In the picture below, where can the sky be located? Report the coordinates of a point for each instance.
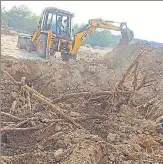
(144, 18)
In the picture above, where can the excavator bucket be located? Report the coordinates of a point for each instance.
(127, 37)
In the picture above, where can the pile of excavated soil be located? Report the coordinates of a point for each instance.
(125, 135)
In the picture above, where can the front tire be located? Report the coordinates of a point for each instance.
(41, 45)
(29, 46)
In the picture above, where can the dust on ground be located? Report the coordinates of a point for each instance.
(118, 112)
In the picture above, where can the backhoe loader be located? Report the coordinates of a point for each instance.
(54, 33)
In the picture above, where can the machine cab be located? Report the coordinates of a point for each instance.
(57, 20)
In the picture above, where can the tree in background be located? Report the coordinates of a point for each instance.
(4, 15)
(100, 38)
(20, 18)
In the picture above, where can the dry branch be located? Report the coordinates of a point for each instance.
(47, 84)
(147, 104)
(11, 116)
(76, 95)
(80, 119)
(91, 118)
(47, 101)
(142, 83)
(57, 109)
(55, 136)
(31, 90)
(22, 129)
(130, 67)
(6, 123)
(159, 119)
(13, 106)
(11, 78)
(145, 83)
(21, 123)
(53, 120)
(29, 102)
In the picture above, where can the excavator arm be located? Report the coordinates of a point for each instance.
(80, 37)
(86, 31)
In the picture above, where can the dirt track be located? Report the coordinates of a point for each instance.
(118, 127)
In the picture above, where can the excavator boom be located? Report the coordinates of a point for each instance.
(99, 23)
(93, 24)
(126, 33)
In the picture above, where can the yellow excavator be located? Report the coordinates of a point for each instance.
(54, 33)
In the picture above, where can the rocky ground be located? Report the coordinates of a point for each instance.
(102, 109)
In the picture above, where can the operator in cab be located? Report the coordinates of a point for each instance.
(66, 28)
(59, 26)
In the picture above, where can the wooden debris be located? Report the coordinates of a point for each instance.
(21, 129)
(11, 116)
(13, 107)
(47, 101)
(81, 94)
(142, 52)
(58, 110)
(10, 77)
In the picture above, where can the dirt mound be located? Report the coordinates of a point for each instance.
(150, 66)
(29, 69)
(102, 110)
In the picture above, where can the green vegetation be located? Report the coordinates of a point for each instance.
(101, 39)
(20, 18)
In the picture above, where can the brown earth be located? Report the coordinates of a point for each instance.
(118, 127)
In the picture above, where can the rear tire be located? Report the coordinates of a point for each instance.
(21, 44)
(41, 45)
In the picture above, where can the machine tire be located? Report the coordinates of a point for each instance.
(41, 45)
(21, 44)
(29, 46)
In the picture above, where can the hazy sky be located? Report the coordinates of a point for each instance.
(144, 18)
